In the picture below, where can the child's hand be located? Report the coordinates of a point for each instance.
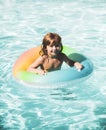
(42, 72)
(78, 66)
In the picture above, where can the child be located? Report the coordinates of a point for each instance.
(51, 56)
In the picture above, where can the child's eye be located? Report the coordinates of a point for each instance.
(57, 45)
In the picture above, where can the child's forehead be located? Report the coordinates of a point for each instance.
(54, 43)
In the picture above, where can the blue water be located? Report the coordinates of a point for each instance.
(79, 106)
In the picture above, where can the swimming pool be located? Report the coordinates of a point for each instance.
(79, 106)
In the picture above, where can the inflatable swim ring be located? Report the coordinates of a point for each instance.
(66, 74)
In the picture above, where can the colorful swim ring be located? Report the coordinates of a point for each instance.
(66, 74)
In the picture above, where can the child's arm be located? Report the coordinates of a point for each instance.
(34, 66)
(72, 63)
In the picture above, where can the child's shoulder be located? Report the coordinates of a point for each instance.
(62, 54)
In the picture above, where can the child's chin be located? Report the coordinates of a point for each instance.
(54, 54)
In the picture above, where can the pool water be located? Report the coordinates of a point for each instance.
(78, 106)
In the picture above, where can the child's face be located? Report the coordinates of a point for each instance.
(53, 49)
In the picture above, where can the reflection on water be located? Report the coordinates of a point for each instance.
(78, 106)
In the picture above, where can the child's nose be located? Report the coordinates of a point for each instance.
(54, 47)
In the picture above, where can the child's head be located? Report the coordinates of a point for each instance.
(52, 39)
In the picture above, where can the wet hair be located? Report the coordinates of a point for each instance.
(50, 39)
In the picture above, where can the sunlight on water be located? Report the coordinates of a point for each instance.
(78, 106)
